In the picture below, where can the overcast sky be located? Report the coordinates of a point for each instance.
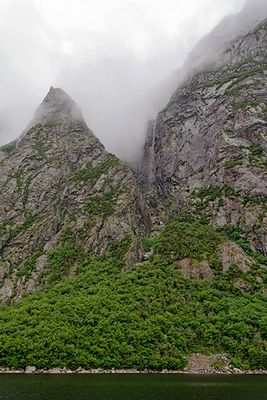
(109, 55)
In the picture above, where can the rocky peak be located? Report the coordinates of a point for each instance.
(57, 107)
(62, 194)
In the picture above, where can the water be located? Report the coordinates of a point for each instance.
(132, 387)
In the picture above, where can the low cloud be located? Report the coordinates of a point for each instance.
(118, 59)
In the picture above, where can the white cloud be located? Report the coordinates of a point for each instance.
(108, 54)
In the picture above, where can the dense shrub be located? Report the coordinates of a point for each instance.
(151, 317)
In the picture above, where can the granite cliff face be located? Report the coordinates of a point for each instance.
(62, 193)
(192, 221)
(207, 151)
(65, 200)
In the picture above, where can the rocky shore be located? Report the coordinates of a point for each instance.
(34, 370)
(197, 364)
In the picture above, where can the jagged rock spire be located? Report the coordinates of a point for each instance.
(57, 106)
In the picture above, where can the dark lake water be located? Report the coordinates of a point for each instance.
(132, 387)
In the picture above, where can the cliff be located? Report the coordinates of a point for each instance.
(189, 227)
(62, 196)
(207, 150)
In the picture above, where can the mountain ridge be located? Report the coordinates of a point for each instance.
(58, 182)
(141, 269)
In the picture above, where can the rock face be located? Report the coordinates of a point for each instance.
(62, 195)
(230, 254)
(233, 255)
(193, 269)
(207, 150)
(64, 199)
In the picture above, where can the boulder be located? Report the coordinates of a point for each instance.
(194, 269)
(232, 255)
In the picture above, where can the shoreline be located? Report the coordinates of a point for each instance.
(65, 371)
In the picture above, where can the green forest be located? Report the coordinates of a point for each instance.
(149, 318)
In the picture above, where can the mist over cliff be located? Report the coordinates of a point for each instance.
(117, 59)
(147, 267)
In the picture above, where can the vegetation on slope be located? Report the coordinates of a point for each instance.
(151, 317)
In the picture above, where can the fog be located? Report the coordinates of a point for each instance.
(118, 59)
